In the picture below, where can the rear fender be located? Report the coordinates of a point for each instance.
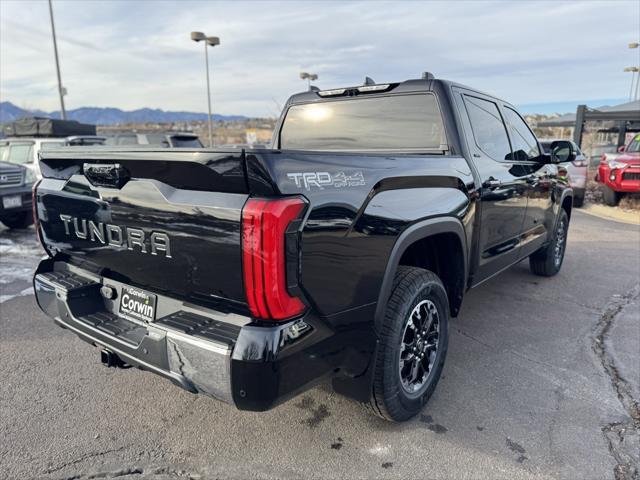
(412, 234)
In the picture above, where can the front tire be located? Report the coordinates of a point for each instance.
(18, 220)
(413, 345)
(548, 261)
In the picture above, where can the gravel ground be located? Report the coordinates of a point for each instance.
(541, 382)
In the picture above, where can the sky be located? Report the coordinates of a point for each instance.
(135, 54)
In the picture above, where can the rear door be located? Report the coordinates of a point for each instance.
(541, 179)
(503, 192)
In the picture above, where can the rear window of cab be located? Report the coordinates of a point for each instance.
(393, 122)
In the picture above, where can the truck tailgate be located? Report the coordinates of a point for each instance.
(164, 221)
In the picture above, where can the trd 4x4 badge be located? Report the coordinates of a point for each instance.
(326, 179)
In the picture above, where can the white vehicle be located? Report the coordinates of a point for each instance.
(24, 151)
(577, 172)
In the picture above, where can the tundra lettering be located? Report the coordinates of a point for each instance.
(339, 253)
(115, 236)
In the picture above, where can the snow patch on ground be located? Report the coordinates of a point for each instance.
(20, 254)
(23, 293)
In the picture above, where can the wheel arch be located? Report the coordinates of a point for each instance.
(566, 202)
(428, 232)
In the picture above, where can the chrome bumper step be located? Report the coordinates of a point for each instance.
(203, 327)
(66, 281)
(189, 349)
(116, 326)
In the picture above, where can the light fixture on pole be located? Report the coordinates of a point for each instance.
(212, 42)
(61, 90)
(308, 77)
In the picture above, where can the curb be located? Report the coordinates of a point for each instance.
(607, 217)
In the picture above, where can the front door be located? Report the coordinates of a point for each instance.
(503, 192)
(541, 179)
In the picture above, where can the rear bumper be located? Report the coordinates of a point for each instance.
(221, 355)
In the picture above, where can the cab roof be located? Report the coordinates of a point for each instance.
(407, 86)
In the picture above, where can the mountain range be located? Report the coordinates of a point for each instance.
(111, 116)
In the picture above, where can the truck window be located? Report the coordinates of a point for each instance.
(126, 140)
(51, 145)
(634, 145)
(525, 146)
(20, 153)
(395, 122)
(180, 141)
(157, 139)
(488, 129)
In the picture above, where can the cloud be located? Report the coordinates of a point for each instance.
(138, 53)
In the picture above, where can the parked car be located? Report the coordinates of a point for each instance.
(24, 150)
(576, 171)
(620, 174)
(16, 182)
(339, 253)
(173, 140)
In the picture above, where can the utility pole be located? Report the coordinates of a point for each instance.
(61, 90)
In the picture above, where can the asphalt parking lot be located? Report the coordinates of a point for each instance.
(541, 381)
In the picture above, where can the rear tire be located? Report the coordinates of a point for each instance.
(547, 261)
(578, 200)
(611, 197)
(413, 345)
(18, 220)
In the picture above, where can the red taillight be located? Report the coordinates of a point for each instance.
(264, 257)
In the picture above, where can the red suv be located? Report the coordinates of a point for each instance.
(621, 174)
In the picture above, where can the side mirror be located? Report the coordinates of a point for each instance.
(562, 151)
(621, 149)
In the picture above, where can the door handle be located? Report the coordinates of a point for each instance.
(492, 183)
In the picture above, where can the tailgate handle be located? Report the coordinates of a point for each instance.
(106, 174)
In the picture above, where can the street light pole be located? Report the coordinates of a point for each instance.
(208, 41)
(61, 89)
(206, 61)
(634, 70)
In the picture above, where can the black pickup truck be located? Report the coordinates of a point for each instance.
(340, 253)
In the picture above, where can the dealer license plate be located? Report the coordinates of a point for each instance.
(138, 304)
